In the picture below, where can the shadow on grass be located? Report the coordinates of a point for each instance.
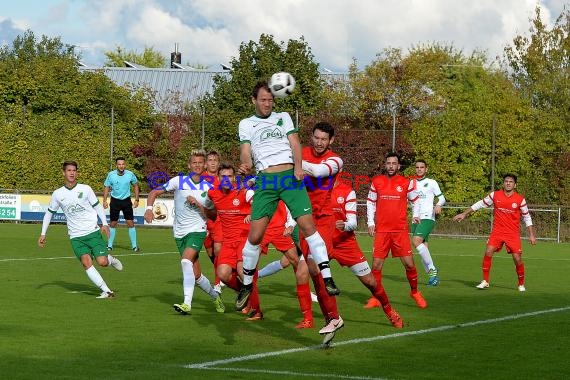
(71, 287)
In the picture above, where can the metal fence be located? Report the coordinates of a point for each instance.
(547, 221)
(550, 222)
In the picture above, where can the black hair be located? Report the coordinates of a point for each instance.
(325, 127)
(510, 175)
(393, 154)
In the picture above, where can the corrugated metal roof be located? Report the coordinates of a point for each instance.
(165, 83)
(188, 85)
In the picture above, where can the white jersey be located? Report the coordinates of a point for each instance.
(188, 218)
(268, 138)
(77, 204)
(427, 189)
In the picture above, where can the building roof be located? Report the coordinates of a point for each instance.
(188, 85)
(184, 83)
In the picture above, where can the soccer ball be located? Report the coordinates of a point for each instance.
(281, 84)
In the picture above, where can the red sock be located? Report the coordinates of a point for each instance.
(380, 294)
(326, 302)
(377, 275)
(305, 303)
(520, 273)
(486, 267)
(234, 283)
(412, 275)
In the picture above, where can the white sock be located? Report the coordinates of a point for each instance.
(271, 268)
(427, 262)
(318, 250)
(96, 278)
(188, 280)
(250, 255)
(204, 284)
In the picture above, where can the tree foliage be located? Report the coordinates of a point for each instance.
(539, 65)
(51, 112)
(230, 100)
(148, 58)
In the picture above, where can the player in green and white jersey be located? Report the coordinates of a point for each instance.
(427, 190)
(81, 208)
(191, 207)
(270, 142)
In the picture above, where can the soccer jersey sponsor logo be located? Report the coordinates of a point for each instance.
(271, 134)
(76, 208)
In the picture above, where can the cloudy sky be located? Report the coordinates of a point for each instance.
(209, 32)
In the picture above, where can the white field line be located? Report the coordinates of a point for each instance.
(206, 365)
(290, 373)
(71, 256)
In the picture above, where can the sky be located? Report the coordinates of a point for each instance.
(209, 32)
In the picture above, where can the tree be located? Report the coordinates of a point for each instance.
(148, 58)
(50, 112)
(539, 65)
(230, 100)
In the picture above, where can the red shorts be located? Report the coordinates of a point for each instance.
(325, 227)
(512, 243)
(396, 242)
(231, 252)
(276, 238)
(347, 252)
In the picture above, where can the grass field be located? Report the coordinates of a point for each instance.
(52, 326)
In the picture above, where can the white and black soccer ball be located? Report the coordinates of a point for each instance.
(281, 84)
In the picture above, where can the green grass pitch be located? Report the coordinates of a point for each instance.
(51, 325)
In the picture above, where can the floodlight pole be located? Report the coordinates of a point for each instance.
(493, 152)
(112, 138)
(393, 129)
(203, 124)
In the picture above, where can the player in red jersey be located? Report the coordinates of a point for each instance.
(347, 251)
(213, 241)
(233, 208)
(508, 209)
(321, 166)
(386, 208)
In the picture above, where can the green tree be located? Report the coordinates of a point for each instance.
(230, 100)
(149, 57)
(539, 65)
(50, 112)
